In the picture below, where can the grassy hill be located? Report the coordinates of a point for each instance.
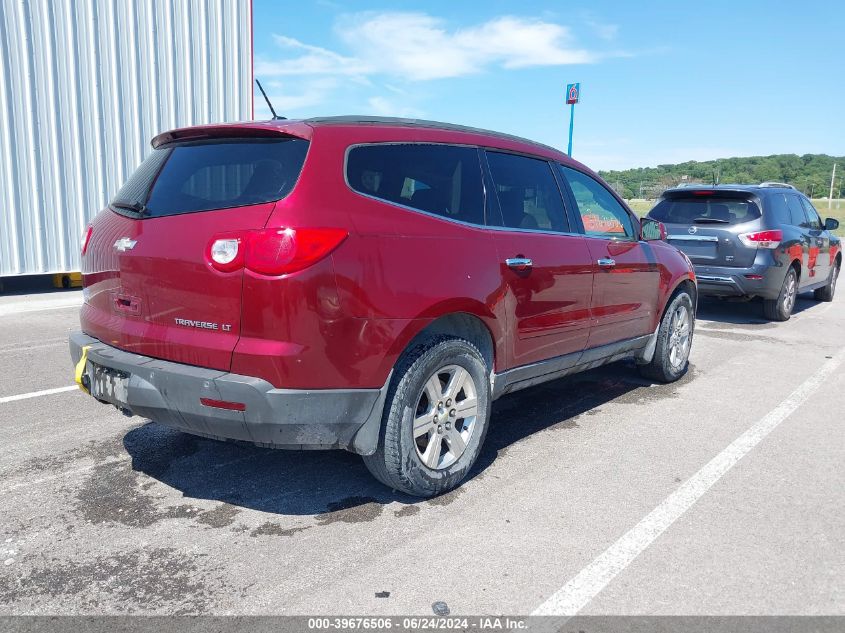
(810, 173)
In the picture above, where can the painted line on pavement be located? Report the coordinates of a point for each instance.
(590, 581)
(36, 394)
(41, 305)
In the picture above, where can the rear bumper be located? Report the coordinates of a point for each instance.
(169, 393)
(725, 281)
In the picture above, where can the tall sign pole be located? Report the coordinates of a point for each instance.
(573, 95)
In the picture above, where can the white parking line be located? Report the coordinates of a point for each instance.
(20, 349)
(36, 394)
(591, 580)
(41, 304)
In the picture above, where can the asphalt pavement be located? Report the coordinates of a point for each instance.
(722, 494)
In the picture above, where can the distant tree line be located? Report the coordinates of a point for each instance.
(810, 173)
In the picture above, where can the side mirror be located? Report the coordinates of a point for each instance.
(651, 230)
(831, 224)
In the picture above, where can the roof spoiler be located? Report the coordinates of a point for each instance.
(232, 130)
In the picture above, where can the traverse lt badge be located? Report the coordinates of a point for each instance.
(124, 244)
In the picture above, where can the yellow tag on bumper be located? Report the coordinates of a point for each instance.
(80, 368)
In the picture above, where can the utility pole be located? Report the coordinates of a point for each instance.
(832, 178)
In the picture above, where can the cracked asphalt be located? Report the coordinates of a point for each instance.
(104, 514)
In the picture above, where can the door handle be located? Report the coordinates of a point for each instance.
(519, 263)
(606, 262)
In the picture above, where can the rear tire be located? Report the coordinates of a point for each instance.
(826, 293)
(780, 309)
(674, 340)
(435, 418)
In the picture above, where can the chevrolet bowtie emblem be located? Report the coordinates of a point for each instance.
(124, 244)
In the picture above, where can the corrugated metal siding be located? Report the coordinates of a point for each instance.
(84, 86)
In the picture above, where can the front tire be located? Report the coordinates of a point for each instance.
(780, 309)
(826, 293)
(674, 340)
(435, 419)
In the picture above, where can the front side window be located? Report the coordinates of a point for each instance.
(600, 212)
(441, 179)
(217, 174)
(528, 193)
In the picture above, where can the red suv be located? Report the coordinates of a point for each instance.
(368, 284)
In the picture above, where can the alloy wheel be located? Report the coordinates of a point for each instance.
(446, 416)
(789, 294)
(680, 333)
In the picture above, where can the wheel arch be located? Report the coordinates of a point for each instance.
(465, 325)
(682, 283)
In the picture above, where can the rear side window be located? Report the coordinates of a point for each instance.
(219, 174)
(601, 213)
(441, 179)
(528, 193)
(779, 210)
(796, 212)
(705, 210)
(812, 214)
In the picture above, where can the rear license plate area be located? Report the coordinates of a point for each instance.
(108, 384)
(705, 250)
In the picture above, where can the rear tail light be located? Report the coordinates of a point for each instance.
(226, 253)
(762, 239)
(86, 237)
(273, 252)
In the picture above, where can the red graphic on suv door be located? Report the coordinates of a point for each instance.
(812, 259)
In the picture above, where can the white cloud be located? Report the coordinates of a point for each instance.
(417, 46)
(311, 60)
(288, 97)
(394, 49)
(604, 30)
(386, 107)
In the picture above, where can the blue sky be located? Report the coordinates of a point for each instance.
(661, 82)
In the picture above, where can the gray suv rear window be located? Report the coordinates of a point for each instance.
(704, 210)
(441, 179)
(206, 175)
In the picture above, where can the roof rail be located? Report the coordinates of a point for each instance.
(776, 184)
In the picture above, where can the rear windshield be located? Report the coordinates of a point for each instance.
(207, 175)
(704, 210)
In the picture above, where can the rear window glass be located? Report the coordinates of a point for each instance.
(441, 179)
(796, 213)
(529, 197)
(779, 209)
(202, 176)
(705, 210)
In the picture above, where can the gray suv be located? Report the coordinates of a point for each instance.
(749, 241)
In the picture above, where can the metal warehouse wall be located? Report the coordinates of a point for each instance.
(84, 86)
